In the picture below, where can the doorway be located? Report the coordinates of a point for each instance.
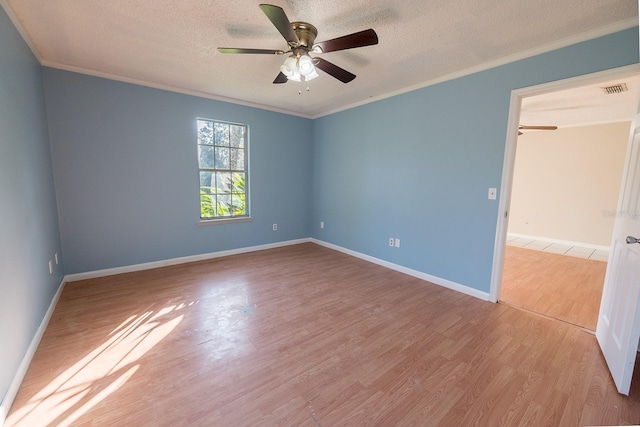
(565, 267)
(565, 183)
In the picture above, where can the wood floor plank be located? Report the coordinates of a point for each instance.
(306, 336)
(560, 286)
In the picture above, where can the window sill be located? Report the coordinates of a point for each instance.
(224, 220)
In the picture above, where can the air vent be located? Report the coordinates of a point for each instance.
(619, 88)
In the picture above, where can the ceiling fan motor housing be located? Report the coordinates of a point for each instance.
(300, 37)
(306, 34)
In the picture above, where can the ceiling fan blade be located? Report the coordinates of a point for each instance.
(339, 73)
(359, 39)
(279, 19)
(281, 79)
(537, 127)
(242, 50)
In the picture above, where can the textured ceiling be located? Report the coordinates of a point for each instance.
(172, 44)
(582, 106)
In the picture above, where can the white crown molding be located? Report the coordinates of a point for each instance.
(590, 35)
(168, 88)
(599, 32)
(86, 71)
(16, 23)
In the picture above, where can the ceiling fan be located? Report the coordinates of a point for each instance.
(523, 127)
(300, 37)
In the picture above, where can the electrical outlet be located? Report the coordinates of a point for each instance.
(275, 227)
(50, 267)
(391, 241)
(492, 193)
(397, 243)
(321, 224)
(56, 257)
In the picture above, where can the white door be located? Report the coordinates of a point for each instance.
(618, 330)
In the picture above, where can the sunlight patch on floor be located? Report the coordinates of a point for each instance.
(100, 373)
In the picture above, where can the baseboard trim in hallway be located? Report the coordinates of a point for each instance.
(562, 247)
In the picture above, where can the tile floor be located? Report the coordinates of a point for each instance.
(541, 245)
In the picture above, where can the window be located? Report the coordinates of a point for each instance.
(222, 164)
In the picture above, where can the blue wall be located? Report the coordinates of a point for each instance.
(125, 166)
(418, 166)
(29, 234)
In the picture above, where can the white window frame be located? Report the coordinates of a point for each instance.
(227, 165)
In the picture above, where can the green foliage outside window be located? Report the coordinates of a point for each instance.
(222, 163)
(210, 207)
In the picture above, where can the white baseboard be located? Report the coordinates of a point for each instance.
(24, 365)
(415, 273)
(180, 260)
(12, 392)
(560, 242)
(202, 257)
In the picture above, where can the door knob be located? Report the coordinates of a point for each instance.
(631, 240)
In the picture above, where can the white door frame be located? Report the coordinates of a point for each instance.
(510, 156)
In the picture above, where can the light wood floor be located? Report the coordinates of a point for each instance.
(561, 286)
(306, 336)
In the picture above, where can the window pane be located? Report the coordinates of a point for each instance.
(237, 204)
(238, 183)
(207, 182)
(237, 159)
(223, 182)
(237, 136)
(222, 133)
(222, 158)
(207, 199)
(205, 156)
(205, 132)
(207, 206)
(224, 203)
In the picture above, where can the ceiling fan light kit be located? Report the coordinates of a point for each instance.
(300, 37)
(296, 68)
(305, 65)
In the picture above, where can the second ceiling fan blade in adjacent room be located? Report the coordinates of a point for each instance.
(523, 127)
